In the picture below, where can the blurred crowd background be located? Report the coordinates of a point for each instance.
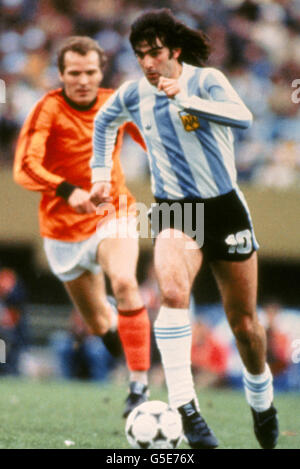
(257, 45)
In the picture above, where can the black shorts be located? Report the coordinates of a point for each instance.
(221, 226)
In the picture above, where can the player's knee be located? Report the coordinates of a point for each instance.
(122, 284)
(244, 328)
(98, 325)
(175, 296)
(99, 328)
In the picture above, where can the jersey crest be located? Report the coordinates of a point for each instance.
(189, 121)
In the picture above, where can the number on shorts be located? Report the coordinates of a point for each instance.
(240, 243)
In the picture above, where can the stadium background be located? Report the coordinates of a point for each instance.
(256, 44)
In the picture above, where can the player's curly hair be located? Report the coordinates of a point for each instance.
(162, 24)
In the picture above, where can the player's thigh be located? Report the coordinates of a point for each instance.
(119, 256)
(237, 282)
(177, 260)
(88, 293)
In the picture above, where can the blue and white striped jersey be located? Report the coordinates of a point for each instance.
(189, 138)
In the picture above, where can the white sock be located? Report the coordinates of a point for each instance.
(172, 330)
(259, 389)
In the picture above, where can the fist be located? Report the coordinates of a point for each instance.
(169, 85)
(79, 200)
(100, 193)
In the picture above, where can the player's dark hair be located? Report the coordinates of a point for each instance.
(162, 24)
(81, 45)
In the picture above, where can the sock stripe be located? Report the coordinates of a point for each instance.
(172, 337)
(188, 326)
(131, 312)
(257, 385)
(172, 332)
(254, 387)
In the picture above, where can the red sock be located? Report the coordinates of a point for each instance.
(134, 331)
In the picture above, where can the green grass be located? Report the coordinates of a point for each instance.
(44, 414)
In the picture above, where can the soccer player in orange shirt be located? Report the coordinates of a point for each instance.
(52, 156)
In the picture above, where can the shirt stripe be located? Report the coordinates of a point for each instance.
(132, 102)
(172, 146)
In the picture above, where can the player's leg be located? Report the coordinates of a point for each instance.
(118, 257)
(74, 264)
(176, 268)
(88, 294)
(237, 282)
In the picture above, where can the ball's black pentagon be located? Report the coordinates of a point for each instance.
(175, 442)
(130, 431)
(144, 444)
(139, 412)
(156, 416)
(159, 436)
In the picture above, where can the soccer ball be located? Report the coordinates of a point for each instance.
(154, 425)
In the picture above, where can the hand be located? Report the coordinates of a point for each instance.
(169, 85)
(100, 193)
(79, 200)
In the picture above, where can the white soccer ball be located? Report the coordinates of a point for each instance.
(154, 425)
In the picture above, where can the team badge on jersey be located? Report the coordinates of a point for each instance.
(189, 121)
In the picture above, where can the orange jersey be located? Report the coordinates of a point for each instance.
(55, 145)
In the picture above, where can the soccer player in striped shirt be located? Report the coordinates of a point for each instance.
(185, 111)
(52, 157)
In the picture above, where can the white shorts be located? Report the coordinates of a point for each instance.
(69, 260)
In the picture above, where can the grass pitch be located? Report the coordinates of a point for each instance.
(81, 415)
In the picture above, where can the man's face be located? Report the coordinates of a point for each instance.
(157, 61)
(81, 76)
